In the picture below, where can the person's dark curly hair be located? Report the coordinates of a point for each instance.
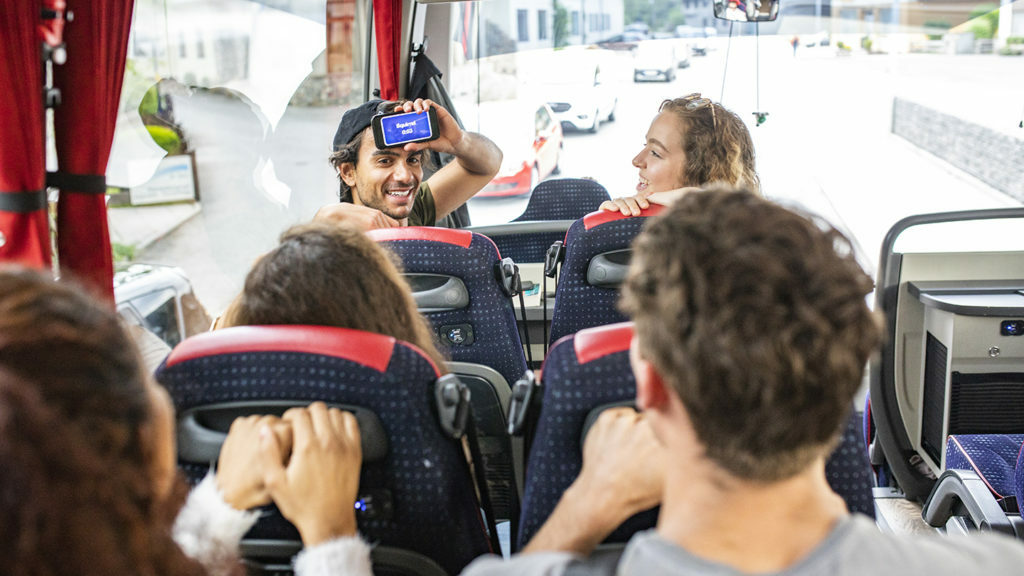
(76, 482)
(756, 316)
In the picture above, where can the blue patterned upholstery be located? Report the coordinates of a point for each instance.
(591, 368)
(564, 199)
(848, 469)
(526, 247)
(470, 257)
(436, 512)
(572, 387)
(993, 457)
(1018, 478)
(578, 304)
(554, 199)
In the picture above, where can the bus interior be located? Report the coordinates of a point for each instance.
(182, 137)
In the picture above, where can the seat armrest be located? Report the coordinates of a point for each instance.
(962, 491)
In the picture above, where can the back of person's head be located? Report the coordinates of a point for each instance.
(756, 317)
(331, 275)
(717, 144)
(76, 445)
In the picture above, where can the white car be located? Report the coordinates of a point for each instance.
(578, 95)
(655, 60)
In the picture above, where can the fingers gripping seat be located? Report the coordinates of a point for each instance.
(596, 257)
(590, 371)
(581, 372)
(418, 480)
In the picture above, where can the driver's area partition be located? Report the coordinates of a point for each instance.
(951, 287)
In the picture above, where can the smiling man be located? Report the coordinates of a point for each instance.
(383, 188)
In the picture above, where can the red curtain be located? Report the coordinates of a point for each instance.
(387, 21)
(23, 222)
(90, 81)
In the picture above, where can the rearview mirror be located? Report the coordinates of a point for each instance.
(747, 10)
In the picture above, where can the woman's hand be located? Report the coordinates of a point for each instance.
(317, 489)
(239, 474)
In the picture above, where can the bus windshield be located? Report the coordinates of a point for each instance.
(862, 113)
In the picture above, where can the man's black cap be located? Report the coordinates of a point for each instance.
(354, 121)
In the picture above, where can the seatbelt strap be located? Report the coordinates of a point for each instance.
(554, 256)
(476, 465)
(526, 327)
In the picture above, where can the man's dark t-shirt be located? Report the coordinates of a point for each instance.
(423, 212)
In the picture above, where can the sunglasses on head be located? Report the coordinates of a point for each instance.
(695, 102)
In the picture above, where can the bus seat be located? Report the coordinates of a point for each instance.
(992, 457)
(482, 329)
(555, 199)
(415, 480)
(564, 199)
(982, 486)
(478, 327)
(590, 371)
(596, 258)
(581, 372)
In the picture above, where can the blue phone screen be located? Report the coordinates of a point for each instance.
(402, 128)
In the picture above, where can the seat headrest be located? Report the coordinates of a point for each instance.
(593, 343)
(364, 348)
(595, 219)
(430, 233)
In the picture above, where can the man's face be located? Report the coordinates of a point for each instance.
(387, 180)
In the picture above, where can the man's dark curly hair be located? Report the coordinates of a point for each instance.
(76, 481)
(756, 316)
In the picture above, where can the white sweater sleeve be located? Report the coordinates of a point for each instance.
(209, 530)
(348, 556)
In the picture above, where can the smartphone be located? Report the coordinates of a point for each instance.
(399, 128)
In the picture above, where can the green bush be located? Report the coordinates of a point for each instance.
(984, 20)
(1015, 40)
(122, 252)
(150, 102)
(936, 28)
(166, 138)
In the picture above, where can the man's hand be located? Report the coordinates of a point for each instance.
(362, 217)
(239, 476)
(623, 463)
(450, 135)
(477, 159)
(317, 490)
(623, 473)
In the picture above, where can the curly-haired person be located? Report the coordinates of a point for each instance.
(88, 482)
(752, 333)
(692, 142)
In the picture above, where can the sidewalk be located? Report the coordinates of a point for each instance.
(140, 226)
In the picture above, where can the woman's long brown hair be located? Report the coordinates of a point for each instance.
(331, 275)
(77, 491)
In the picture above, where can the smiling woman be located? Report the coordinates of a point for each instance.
(692, 142)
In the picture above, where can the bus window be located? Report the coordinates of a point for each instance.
(862, 115)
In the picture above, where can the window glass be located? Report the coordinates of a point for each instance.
(227, 115)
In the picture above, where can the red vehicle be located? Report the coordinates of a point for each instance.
(531, 148)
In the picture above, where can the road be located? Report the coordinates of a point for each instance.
(825, 146)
